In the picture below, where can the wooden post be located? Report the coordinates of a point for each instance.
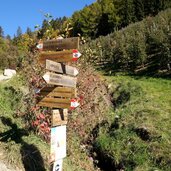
(59, 117)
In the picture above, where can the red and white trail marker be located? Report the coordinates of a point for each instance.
(40, 46)
(76, 55)
(74, 103)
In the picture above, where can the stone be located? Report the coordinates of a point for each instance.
(9, 72)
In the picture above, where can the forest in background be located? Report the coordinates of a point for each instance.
(143, 46)
(116, 35)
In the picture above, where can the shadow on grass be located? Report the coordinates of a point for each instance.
(110, 69)
(31, 157)
(101, 159)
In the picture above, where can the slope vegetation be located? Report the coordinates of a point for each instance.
(142, 48)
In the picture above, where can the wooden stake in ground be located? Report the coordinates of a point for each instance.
(59, 117)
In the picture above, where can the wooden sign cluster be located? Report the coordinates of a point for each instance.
(60, 91)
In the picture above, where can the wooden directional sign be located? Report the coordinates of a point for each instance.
(56, 97)
(61, 92)
(55, 102)
(59, 44)
(61, 68)
(61, 56)
(57, 79)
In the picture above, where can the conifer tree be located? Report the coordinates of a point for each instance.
(29, 32)
(1, 32)
(138, 10)
(19, 31)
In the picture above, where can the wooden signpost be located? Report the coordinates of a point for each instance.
(60, 91)
(61, 68)
(60, 56)
(60, 80)
(59, 44)
(63, 92)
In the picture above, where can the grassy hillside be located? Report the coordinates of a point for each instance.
(142, 48)
(139, 136)
(21, 148)
(123, 121)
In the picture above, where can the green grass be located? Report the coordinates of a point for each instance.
(140, 136)
(21, 147)
(77, 157)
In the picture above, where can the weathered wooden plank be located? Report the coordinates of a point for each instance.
(55, 100)
(59, 117)
(57, 79)
(61, 68)
(57, 94)
(59, 44)
(58, 89)
(60, 56)
(54, 105)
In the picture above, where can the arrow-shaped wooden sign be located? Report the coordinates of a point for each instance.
(61, 68)
(57, 79)
(59, 44)
(60, 56)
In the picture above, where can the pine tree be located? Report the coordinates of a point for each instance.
(8, 37)
(126, 12)
(109, 18)
(29, 32)
(1, 32)
(138, 10)
(19, 31)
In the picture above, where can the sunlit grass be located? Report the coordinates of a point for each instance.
(143, 136)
